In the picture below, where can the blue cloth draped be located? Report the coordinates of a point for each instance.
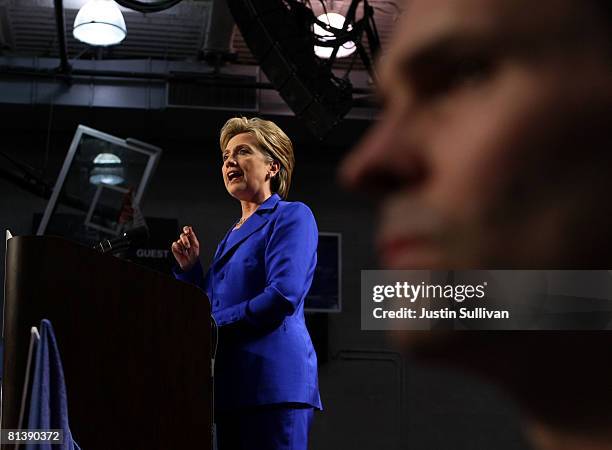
(48, 401)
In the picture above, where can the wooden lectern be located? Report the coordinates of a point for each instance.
(135, 345)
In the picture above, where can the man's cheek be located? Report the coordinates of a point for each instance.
(477, 156)
(469, 183)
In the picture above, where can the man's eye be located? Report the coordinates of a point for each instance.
(470, 70)
(461, 72)
(224, 157)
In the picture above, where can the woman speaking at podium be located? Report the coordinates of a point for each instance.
(266, 368)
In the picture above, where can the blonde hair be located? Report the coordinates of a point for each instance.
(273, 142)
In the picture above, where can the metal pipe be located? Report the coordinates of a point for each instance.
(61, 36)
(7, 72)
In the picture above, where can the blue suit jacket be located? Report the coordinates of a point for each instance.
(257, 287)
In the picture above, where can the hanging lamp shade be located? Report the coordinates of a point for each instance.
(100, 22)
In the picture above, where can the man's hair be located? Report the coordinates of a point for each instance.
(603, 8)
(273, 142)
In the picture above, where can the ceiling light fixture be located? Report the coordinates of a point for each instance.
(336, 21)
(100, 23)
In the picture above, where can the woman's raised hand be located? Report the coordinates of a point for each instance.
(186, 249)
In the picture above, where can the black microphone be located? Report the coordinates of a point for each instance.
(125, 241)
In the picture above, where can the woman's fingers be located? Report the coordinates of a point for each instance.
(185, 240)
(193, 240)
(186, 248)
(178, 249)
(183, 256)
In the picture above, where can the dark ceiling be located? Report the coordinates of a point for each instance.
(175, 36)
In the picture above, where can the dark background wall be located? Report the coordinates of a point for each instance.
(371, 394)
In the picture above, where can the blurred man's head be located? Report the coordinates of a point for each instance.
(493, 149)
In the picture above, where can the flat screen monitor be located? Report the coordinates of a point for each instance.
(326, 291)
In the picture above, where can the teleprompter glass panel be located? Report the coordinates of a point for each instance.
(102, 175)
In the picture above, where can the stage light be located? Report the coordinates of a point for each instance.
(100, 23)
(334, 20)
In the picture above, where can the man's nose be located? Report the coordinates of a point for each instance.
(386, 159)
